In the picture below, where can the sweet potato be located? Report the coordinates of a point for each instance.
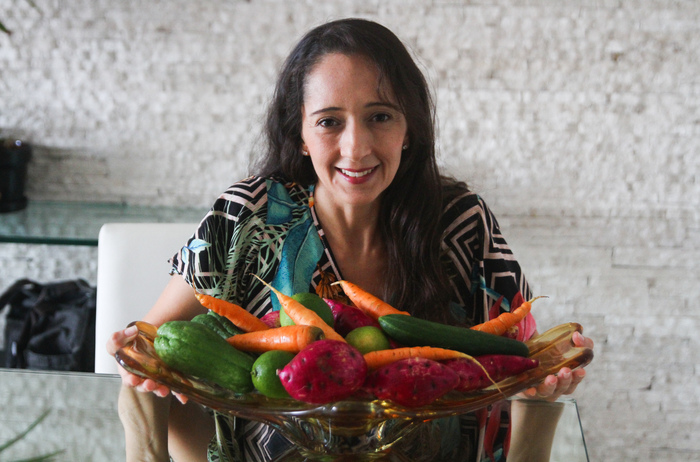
(498, 367)
(412, 382)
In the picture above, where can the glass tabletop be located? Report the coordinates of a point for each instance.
(83, 421)
(79, 223)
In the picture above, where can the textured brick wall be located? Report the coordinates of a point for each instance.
(577, 121)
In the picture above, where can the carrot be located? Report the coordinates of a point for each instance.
(379, 358)
(303, 316)
(239, 316)
(505, 321)
(371, 305)
(286, 338)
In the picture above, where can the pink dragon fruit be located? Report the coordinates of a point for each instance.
(347, 318)
(412, 382)
(323, 372)
(272, 319)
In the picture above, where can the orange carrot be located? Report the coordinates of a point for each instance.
(286, 338)
(379, 358)
(371, 305)
(239, 316)
(505, 321)
(303, 316)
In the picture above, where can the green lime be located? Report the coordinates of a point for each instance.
(368, 338)
(264, 373)
(312, 302)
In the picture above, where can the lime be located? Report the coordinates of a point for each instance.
(264, 373)
(312, 302)
(368, 338)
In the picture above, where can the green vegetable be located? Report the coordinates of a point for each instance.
(195, 349)
(218, 324)
(412, 331)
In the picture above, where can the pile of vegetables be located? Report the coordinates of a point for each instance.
(424, 360)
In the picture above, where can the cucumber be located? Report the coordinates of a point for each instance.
(218, 324)
(411, 331)
(195, 349)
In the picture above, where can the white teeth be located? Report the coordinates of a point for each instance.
(356, 174)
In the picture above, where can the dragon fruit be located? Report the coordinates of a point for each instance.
(347, 318)
(272, 319)
(412, 382)
(324, 371)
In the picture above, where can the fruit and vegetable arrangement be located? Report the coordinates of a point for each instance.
(320, 349)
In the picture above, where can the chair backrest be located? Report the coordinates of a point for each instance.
(132, 271)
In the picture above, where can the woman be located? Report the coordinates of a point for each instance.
(349, 186)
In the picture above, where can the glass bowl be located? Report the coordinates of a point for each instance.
(358, 428)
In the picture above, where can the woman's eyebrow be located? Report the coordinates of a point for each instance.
(386, 104)
(368, 105)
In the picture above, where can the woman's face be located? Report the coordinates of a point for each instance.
(353, 132)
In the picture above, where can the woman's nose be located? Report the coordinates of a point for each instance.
(356, 141)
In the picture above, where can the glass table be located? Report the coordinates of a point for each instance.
(79, 223)
(83, 421)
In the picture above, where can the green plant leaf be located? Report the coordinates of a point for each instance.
(27, 430)
(44, 458)
(4, 29)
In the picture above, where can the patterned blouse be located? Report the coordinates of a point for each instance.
(262, 227)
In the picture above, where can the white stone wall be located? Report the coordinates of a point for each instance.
(578, 122)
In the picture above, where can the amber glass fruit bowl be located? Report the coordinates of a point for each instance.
(357, 426)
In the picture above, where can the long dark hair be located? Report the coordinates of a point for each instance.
(411, 206)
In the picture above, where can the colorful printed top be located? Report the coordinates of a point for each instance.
(262, 227)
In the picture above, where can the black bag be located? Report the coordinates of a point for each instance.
(50, 326)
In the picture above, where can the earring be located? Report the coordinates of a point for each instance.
(404, 147)
(304, 152)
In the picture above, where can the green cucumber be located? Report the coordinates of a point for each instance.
(218, 323)
(195, 349)
(412, 331)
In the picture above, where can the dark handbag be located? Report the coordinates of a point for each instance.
(50, 326)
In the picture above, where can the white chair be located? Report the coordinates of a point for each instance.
(132, 271)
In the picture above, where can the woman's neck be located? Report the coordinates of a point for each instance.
(354, 236)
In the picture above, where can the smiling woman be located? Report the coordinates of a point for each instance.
(402, 226)
(348, 189)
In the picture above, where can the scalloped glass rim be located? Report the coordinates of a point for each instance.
(554, 349)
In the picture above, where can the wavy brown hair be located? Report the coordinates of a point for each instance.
(411, 206)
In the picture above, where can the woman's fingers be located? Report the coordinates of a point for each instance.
(580, 341)
(543, 390)
(121, 338)
(180, 397)
(563, 383)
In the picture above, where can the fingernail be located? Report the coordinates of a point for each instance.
(131, 330)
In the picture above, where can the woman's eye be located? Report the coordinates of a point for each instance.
(381, 117)
(327, 123)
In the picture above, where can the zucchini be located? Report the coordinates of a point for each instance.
(218, 324)
(412, 331)
(195, 349)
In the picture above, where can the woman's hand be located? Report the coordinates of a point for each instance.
(119, 340)
(565, 381)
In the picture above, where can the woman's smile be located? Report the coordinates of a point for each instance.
(357, 176)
